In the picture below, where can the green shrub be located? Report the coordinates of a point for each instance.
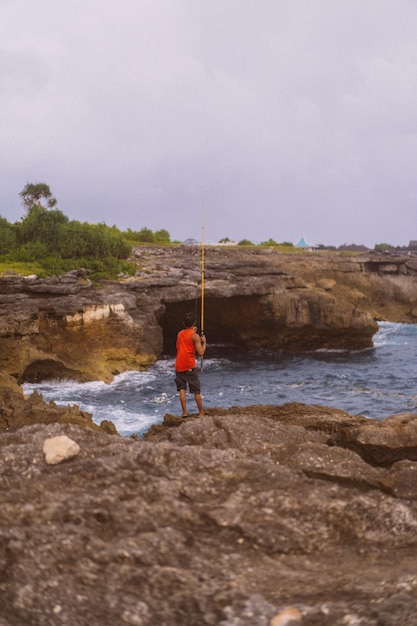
(7, 236)
(45, 242)
(30, 251)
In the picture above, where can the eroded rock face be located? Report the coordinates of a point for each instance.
(17, 410)
(67, 328)
(226, 520)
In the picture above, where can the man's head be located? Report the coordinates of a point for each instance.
(189, 320)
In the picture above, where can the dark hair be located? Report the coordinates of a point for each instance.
(189, 320)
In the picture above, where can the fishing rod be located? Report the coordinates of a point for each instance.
(202, 274)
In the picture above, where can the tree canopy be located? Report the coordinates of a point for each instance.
(47, 239)
(37, 194)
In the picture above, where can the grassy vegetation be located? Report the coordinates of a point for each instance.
(46, 243)
(20, 268)
(96, 269)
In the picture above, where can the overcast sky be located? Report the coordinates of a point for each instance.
(293, 118)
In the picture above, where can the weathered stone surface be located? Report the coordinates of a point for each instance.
(229, 520)
(65, 327)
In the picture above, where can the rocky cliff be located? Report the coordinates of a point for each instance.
(242, 518)
(67, 327)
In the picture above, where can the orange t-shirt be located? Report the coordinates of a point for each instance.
(185, 350)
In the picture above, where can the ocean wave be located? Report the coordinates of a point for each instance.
(376, 382)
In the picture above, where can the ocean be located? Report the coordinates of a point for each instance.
(375, 382)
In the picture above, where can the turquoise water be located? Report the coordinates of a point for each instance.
(376, 382)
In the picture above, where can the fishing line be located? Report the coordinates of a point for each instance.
(202, 273)
(202, 264)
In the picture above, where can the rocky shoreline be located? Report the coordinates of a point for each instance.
(246, 517)
(66, 327)
(241, 518)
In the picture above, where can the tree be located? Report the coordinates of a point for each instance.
(37, 194)
(146, 235)
(382, 247)
(7, 236)
(42, 225)
(162, 236)
(91, 240)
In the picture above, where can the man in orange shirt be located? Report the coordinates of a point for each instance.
(188, 345)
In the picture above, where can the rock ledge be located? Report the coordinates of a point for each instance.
(234, 519)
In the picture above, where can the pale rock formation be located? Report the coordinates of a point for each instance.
(59, 449)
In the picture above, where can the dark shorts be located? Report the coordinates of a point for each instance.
(189, 376)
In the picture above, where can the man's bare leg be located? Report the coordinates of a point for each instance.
(183, 400)
(199, 403)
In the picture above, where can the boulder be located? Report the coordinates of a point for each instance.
(59, 449)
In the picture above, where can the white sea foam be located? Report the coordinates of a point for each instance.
(394, 333)
(376, 382)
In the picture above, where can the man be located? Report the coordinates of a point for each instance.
(188, 345)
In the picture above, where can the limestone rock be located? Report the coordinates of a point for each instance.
(59, 449)
(290, 615)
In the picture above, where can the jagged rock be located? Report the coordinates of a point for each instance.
(16, 411)
(65, 327)
(9, 381)
(227, 520)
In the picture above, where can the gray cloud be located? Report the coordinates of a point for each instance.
(297, 117)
